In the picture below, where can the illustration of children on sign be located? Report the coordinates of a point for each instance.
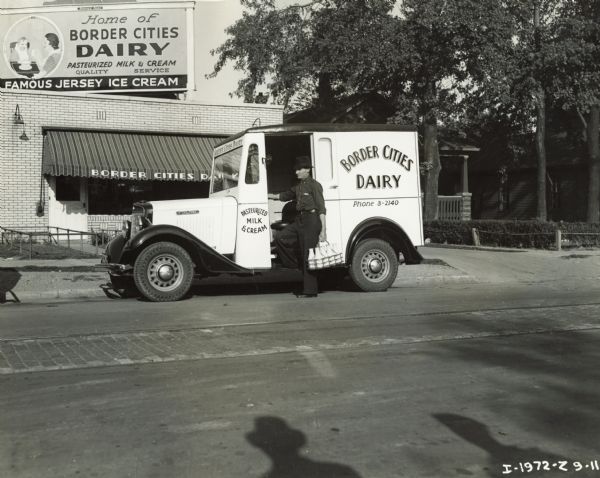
(33, 47)
(21, 56)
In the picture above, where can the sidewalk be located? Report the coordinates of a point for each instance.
(39, 280)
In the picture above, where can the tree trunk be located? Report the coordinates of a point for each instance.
(540, 148)
(324, 90)
(593, 141)
(432, 160)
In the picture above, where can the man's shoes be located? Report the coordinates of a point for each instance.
(305, 296)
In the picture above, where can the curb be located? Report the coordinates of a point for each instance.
(30, 296)
(433, 245)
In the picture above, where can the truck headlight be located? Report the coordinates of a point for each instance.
(140, 218)
(126, 229)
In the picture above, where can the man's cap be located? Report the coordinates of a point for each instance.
(302, 162)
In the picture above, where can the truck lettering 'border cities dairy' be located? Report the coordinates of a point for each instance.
(370, 152)
(372, 198)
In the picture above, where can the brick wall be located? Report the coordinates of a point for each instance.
(21, 161)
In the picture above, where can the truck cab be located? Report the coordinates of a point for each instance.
(370, 180)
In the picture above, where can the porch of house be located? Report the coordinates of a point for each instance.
(454, 198)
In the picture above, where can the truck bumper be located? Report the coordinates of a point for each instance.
(112, 255)
(118, 269)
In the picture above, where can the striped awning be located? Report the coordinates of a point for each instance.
(137, 156)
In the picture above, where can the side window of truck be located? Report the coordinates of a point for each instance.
(252, 165)
(324, 162)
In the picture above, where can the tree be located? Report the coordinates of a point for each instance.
(455, 47)
(318, 51)
(518, 85)
(575, 60)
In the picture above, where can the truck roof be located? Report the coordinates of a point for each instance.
(299, 128)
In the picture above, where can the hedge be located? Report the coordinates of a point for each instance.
(520, 234)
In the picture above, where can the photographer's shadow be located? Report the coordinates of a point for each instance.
(282, 444)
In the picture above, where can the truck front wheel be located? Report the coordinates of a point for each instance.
(374, 265)
(163, 272)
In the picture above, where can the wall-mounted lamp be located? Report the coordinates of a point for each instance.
(18, 119)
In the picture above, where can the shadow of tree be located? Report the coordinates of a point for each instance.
(502, 458)
(9, 278)
(282, 444)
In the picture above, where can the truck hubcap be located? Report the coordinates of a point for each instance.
(165, 272)
(375, 266)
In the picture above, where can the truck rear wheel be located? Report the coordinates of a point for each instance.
(163, 272)
(374, 265)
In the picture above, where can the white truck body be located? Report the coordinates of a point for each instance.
(364, 174)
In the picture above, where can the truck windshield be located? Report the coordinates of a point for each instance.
(226, 170)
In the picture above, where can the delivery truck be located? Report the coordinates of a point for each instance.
(370, 180)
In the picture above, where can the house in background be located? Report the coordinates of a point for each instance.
(504, 188)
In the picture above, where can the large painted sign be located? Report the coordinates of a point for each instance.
(108, 47)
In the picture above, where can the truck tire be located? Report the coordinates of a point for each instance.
(163, 272)
(374, 265)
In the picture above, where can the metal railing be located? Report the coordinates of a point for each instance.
(83, 241)
(450, 208)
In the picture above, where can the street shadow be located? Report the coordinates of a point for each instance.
(282, 445)
(276, 282)
(549, 380)
(9, 278)
(502, 458)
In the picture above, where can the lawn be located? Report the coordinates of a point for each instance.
(42, 251)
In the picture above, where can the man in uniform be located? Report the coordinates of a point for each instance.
(295, 240)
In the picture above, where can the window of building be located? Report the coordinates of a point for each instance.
(117, 197)
(68, 188)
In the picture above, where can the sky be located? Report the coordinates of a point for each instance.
(211, 18)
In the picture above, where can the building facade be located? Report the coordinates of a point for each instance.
(78, 160)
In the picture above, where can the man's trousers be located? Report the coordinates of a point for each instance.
(293, 244)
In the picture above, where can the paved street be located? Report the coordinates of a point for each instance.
(439, 380)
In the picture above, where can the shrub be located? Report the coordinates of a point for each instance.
(529, 234)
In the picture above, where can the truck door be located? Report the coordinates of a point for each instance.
(253, 238)
(326, 173)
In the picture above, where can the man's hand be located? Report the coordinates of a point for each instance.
(323, 233)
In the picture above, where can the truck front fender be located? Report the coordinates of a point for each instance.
(381, 228)
(207, 260)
